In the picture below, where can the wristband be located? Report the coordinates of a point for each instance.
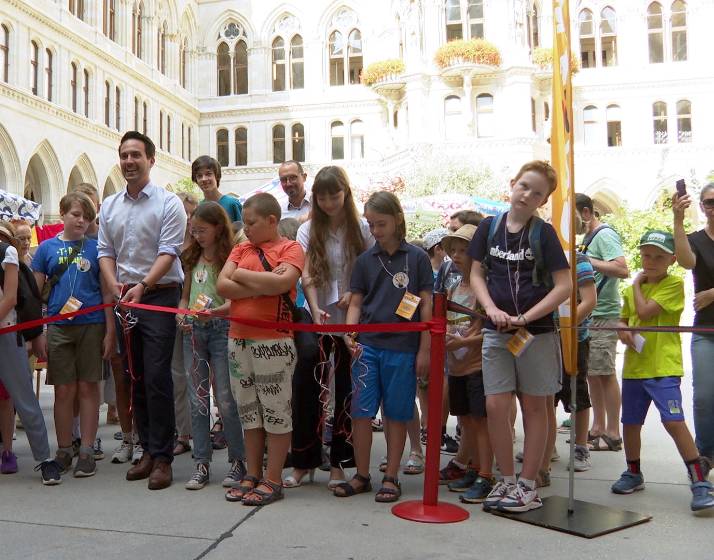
(523, 318)
(146, 286)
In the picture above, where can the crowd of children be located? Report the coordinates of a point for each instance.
(287, 396)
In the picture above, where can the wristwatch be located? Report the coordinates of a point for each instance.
(146, 286)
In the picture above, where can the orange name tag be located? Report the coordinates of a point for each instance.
(408, 306)
(518, 343)
(70, 306)
(202, 303)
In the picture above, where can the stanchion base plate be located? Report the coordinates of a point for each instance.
(415, 510)
(587, 520)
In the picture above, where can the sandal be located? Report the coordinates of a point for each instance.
(415, 464)
(348, 490)
(605, 443)
(293, 481)
(236, 494)
(258, 497)
(181, 447)
(387, 494)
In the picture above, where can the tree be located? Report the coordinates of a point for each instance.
(185, 184)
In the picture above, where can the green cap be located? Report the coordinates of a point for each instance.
(662, 239)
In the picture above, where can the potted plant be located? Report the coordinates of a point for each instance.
(382, 71)
(474, 51)
(543, 58)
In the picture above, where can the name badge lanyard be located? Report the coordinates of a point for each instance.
(517, 276)
(76, 268)
(400, 280)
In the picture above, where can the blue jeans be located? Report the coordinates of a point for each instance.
(207, 345)
(703, 384)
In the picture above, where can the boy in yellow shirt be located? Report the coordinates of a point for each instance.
(653, 367)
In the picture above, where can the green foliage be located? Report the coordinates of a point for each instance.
(419, 223)
(185, 184)
(437, 175)
(632, 224)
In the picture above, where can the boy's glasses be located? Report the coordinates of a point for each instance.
(708, 203)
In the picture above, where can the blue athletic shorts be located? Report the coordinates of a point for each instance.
(637, 394)
(386, 376)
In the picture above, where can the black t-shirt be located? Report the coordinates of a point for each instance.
(511, 254)
(703, 247)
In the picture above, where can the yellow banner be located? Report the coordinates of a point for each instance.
(561, 144)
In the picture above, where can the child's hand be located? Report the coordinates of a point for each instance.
(321, 317)
(627, 338)
(344, 301)
(39, 347)
(453, 342)
(680, 205)
(423, 363)
(108, 346)
(703, 299)
(640, 279)
(499, 318)
(353, 346)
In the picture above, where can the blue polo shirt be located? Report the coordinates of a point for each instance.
(233, 208)
(371, 277)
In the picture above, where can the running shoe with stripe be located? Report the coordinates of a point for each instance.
(520, 499)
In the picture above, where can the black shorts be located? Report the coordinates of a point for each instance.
(466, 395)
(582, 395)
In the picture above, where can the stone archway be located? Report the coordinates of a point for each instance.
(82, 172)
(114, 182)
(43, 180)
(10, 171)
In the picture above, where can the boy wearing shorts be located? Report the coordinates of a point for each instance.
(653, 367)
(75, 346)
(258, 276)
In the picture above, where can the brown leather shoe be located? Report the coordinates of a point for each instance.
(161, 476)
(142, 469)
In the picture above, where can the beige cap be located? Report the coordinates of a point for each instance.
(465, 232)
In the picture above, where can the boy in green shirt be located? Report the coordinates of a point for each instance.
(653, 367)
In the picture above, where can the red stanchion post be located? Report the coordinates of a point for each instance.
(429, 510)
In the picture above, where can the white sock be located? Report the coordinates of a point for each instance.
(529, 483)
(509, 479)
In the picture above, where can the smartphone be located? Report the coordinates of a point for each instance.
(681, 188)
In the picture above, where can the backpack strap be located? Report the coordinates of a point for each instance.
(492, 229)
(541, 276)
(584, 247)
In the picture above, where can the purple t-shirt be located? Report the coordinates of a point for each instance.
(510, 275)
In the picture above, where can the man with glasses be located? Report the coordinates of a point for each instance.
(292, 180)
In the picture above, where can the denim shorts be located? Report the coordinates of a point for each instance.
(637, 394)
(384, 376)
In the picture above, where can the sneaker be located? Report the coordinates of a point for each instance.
(463, 484)
(235, 474)
(86, 466)
(8, 462)
(581, 460)
(520, 499)
(119, 436)
(137, 453)
(76, 444)
(497, 493)
(123, 453)
(479, 491)
(629, 483)
(64, 460)
(449, 445)
(702, 497)
(51, 472)
(450, 473)
(199, 478)
(98, 451)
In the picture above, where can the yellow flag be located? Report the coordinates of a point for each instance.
(561, 145)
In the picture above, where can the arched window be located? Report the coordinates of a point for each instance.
(659, 116)
(608, 37)
(241, 146)
(354, 55)
(161, 130)
(49, 66)
(590, 126)
(109, 18)
(117, 108)
(684, 121)
(73, 86)
(136, 113)
(137, 28)
(168, 133)
(614, 125)
(278, 64)
(357, 139)
(76, 8)
(183, 55)
(35, 63)
(679, 30)
(161, 47)
(145, 119)
(485, 124)
(587, 39)
(453, 118)
(337, 59)
(223, 62)
(655, 32)
(297, 137)
(85, 91)
(533, 27)
(337, 135)
(4, 53)
(453, 20)
(222, 147)
(297, 64)
(107, 103)
(240, 68)
(278, 143)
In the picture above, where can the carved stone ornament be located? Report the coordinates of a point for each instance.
(231, 31)
(345, 18)
(286, 25)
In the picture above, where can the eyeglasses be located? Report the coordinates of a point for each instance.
(708, 203)
(288, 178)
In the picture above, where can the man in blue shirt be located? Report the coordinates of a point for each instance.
(206, 173)
(141, 230)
